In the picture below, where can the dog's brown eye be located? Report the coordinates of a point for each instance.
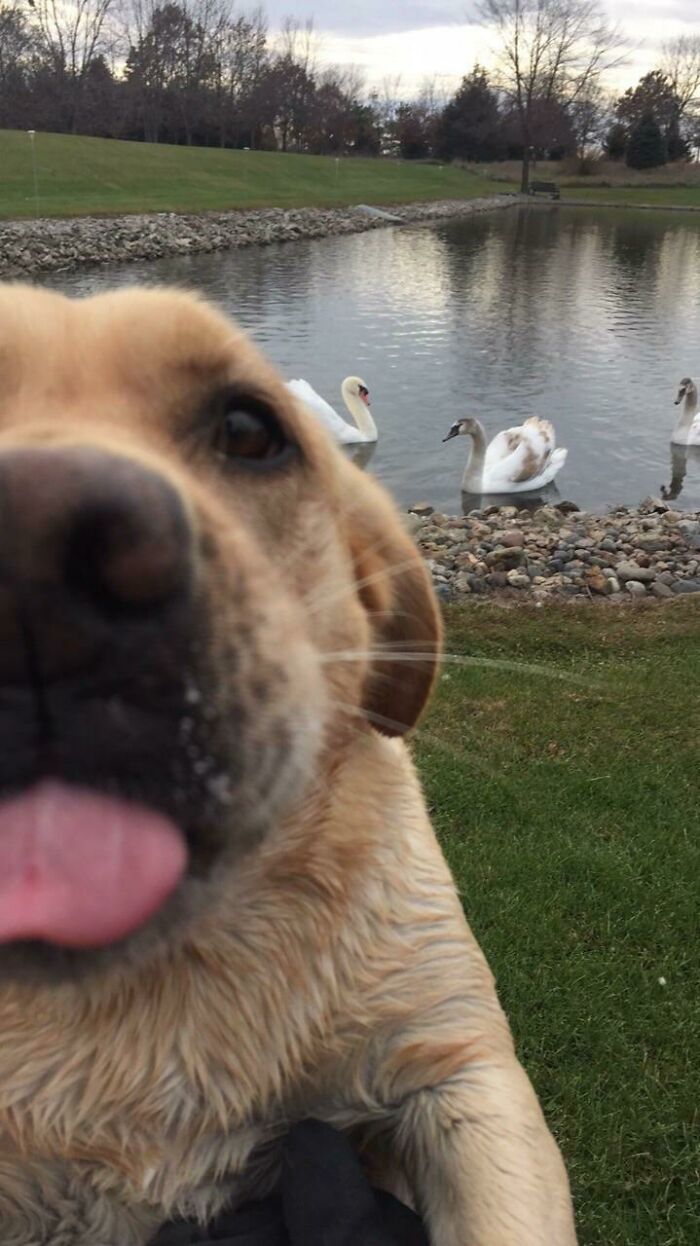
(253, 438)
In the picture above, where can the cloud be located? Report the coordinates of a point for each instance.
(420, 39)
(654, 10)
(358, 18)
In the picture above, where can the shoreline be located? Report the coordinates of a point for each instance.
(48, 245)
(555, 553)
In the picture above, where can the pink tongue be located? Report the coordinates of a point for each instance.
(80, 869)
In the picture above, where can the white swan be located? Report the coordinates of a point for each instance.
(356, 398)
(687, 430)
(517, 460)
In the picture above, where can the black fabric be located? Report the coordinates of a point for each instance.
(323, 1200)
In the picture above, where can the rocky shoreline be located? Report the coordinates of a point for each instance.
(559, 552)
(28, 248)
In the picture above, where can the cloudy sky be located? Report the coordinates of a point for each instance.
(421, 39)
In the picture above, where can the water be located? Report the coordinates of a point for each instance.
(587, 317)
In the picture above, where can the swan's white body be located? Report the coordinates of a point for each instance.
(356, 399)
(518, 460)
(687, 430)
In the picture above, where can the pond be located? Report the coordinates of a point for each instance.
(589, 317)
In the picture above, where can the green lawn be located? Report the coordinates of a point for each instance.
(659, 196)
(565, 792)
(79, 176)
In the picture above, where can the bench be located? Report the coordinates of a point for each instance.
(544, 188)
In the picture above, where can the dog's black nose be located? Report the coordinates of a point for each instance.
(89, 540)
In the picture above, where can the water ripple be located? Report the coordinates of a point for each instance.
(587, 317)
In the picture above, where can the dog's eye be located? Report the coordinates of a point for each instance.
(252, 437)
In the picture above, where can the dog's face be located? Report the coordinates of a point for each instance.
(196, 589)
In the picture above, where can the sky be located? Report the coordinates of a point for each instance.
(425, 39)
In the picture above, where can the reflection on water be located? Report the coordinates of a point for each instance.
(548, 496)
(681, 458)
(587, 317)
(362, 452)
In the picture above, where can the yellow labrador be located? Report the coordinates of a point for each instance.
(222, 906)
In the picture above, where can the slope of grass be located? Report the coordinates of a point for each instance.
(565, 793)
(80, 176)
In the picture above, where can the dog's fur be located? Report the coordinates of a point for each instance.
(317, 962)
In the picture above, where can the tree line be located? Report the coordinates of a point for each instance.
(202, 72)
(189, 71)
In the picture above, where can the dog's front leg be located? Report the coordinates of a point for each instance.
(485, 1168)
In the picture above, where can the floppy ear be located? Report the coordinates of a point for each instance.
(394, 586)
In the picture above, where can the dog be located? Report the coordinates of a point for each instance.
(222, 905)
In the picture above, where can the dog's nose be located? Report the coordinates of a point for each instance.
(88, 541)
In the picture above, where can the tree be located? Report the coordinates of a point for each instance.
(171, 69)
(367, 130)
(241, 60)
(615, 142)
(677, 145)
(470, 125)
(335, 121)
(588, 114)
(412, 132)
(17, 55)
(71, 35)
(548, 51)
(653, 96)
(681, 68)
(646, 147)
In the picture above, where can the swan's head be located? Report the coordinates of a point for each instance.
(355, 386)
(462, 428)
(686, 388)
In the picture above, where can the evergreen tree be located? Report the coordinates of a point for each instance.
(616, 141)
(646, 148)
(678, 147)
(470, 125)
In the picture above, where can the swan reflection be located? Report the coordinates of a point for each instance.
(682, 457)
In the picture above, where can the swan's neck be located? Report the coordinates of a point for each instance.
(688, 411)
(474, 471)
(360, 412)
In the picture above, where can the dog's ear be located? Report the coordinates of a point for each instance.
(395, 589)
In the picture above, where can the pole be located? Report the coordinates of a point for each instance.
(31, 134)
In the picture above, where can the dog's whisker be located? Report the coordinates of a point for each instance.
(315, 604)
(394, 653)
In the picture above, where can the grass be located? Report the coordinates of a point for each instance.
(656, 196)
(82, 176)
(566, 798)
(609, 181)
(79, 176)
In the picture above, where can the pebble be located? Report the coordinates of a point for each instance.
(686, 586)
(633, 571)
(631, 552)
(42, 246)
(661, 590)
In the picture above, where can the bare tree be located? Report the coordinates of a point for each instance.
(293, 81)
(73, 34)
(589, 114)
(681, 65)
(241, 57)
(549, 52)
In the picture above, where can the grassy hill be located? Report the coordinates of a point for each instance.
(81, 176)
